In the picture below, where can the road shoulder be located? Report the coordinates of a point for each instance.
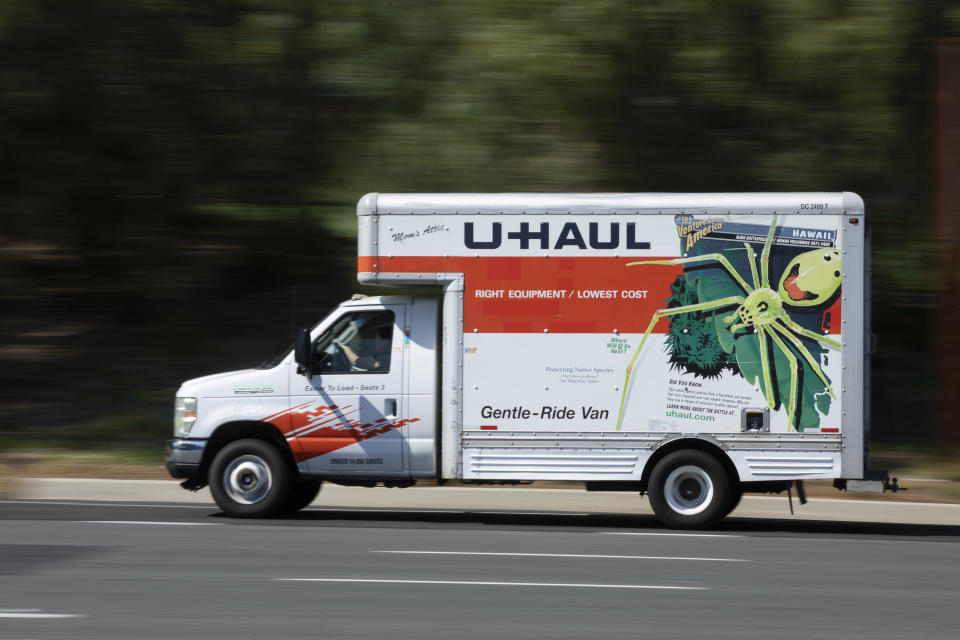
(481, 498)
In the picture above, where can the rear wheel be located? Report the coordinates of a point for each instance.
(690, 490)
(249, 479)
(734, 501)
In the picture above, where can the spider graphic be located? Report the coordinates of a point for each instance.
(810, 279)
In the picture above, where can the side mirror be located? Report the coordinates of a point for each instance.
(303, 353)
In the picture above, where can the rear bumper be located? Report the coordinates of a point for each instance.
(184, 457)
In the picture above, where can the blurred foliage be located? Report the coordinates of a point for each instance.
(177, 177)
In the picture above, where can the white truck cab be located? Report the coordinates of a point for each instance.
(361, 411)
(689, 346)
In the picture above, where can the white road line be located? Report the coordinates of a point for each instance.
(530, 513)
(183, 524)
(154, 505)
(559, 555)
(498, 584)
(36, 615)
(20, 610)
(74, 503)
(683, 535)
(374, 510)
(451, 510)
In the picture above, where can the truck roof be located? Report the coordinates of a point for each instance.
(606, 203)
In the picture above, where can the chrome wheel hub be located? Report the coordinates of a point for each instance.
(688, 490)
(247, 479)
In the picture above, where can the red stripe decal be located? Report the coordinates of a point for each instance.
(319, 429)
(504, 294)
(588, 294)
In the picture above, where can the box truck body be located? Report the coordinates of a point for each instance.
(689, 345)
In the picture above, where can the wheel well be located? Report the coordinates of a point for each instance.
(691, 443)
(232, 431)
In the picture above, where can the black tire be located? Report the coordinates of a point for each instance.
(249, 479)
(735, 495)
(689, 490)
(301, 495)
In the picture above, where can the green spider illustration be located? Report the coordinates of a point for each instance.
(810, 279)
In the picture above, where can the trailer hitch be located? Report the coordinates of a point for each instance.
(873, 482)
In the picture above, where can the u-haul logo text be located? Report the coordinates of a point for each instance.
(543, 236)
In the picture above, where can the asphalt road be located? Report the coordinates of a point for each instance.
(114, 570)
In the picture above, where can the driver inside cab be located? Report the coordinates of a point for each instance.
(359, 342)
(370, 352)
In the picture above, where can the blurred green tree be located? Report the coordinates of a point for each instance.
(167, 165)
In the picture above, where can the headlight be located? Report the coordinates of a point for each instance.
(184, 415)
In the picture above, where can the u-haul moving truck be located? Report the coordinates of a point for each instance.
(691, 346)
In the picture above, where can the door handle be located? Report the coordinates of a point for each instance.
(390, 408)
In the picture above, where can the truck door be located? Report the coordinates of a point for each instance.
(348, 415)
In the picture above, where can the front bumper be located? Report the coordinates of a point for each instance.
(184, 457)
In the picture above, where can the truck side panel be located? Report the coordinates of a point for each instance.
(594, 333)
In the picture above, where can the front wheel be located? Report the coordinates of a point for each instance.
(301, 494)
(249, 479)
(690, 490)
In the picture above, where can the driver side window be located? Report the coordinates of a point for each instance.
(359, 342)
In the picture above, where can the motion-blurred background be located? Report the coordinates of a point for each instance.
(178, 179)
